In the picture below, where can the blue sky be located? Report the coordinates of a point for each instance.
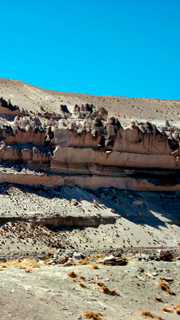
(109, 47)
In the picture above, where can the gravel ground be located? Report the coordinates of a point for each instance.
(49, 293)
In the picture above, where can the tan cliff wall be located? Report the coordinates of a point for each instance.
(87, 149)
(117, 159)
(127, 140)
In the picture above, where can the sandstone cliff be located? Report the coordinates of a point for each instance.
(84, 145)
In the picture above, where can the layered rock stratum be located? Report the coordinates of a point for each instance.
(55, 138)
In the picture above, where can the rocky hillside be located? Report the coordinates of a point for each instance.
(85, 143)
(89, 205)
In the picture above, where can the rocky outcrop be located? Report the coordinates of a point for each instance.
(65, 221)
(81, 145)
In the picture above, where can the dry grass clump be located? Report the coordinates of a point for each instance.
(168, 308)
(76, 278)
(105, 289)
(81, 283)
(178, 311)
(165, 287)
(84, 262)
(100, 284)
(147, 313)
(29, 263)
(97, 256)
(72, 274)
(28, 270)
(95, 315)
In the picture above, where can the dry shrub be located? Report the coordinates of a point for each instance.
(72, 274)
(95, 315)
(168, 308)
(30, 263)
(108, 291)
(98, 256)
(100, 284)
(147, 313)
(105, 289)
(178, 311)
(81, 283)
(84, 262)
(165, 287)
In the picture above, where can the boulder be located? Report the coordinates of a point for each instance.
(166, 255)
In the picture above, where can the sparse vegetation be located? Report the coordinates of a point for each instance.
(72, 274)
(84, 262)
(147, 313)
(106, 290)
(95, 315)
(168, 308)
(81, 283)
(165, 287)
(29, 263)
(178, 311)
(97, 256)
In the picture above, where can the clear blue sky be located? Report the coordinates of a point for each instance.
(109, 47)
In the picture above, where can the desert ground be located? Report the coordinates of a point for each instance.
(37, 256)
(49, 292)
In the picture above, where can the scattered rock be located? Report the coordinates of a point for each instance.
(166, 255)
(137, 203)
(112, 260)
(62, 259)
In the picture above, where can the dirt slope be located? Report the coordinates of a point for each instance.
(32, 98)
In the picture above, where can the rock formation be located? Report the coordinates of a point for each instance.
(82, 145)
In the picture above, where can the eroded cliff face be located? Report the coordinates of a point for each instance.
(83, 146)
